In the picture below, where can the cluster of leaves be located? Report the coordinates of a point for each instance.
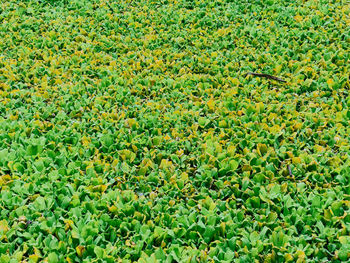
(129, 132)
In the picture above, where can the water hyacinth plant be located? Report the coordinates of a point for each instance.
(144, 131)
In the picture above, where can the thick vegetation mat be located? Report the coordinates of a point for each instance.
(174, 131)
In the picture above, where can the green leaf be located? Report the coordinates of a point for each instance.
(234, 165)
(343, 253)
(40, 203)
(32, 150)
(202, 122)
(5, 258)
(275, 191)
(107, 140)
(337, 208)
(99, 251)
(254, 237)
(52, 258)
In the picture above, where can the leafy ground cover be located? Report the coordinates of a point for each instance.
(129, 131)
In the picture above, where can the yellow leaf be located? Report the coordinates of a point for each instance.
(166, 164)
(80, 250)
(134, 148)
(85, 141)
(246, 168)
(278, 69)
(222, 124)
(330, 83)
(113, 209)
(298, 18)
(184, 176)
(37, 252)
(13, 117)
(296, 160)
(131, 123)
(4, 226)
(319, 149)
(211, 104)
(34, 258)
(114, 163)
(152, 195)
(235, 81)
(308, 69)
(298, 126)
(290, 154)
(260, 107)
(231, 150)
(344, 239)
(261, 149)
(300, 254)
(221, 32)
(75, 234)
(288, 257)
(99, 188)
(275, 129)
(328, 214)
(69, 224)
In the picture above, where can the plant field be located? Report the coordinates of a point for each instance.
(129, 131)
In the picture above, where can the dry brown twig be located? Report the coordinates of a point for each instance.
(265, 76)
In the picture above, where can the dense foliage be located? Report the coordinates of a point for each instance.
(129, 131)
